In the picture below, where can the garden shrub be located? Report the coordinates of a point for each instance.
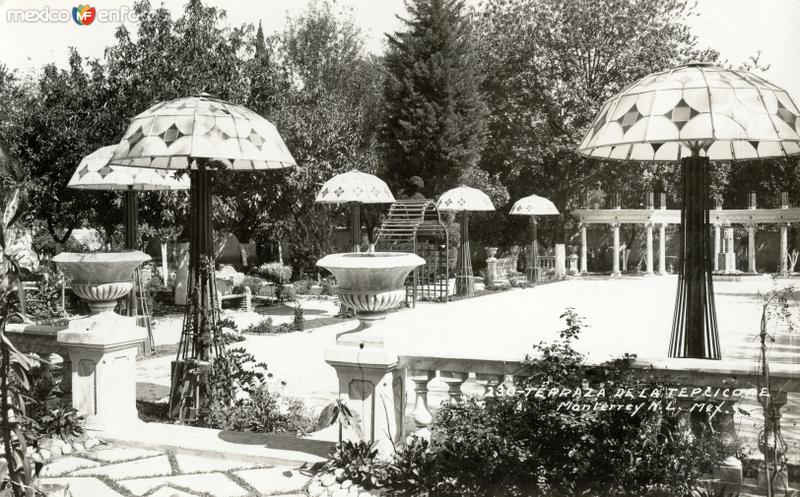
(280, 275)
(520, 444)
(277, 273)
(328, 286)
(245, 397)
(254, 283)
(299, 320)
(47, 414)
(303, 286)
(524, 445)
(358, 462)
(267, 327)
(44, 304)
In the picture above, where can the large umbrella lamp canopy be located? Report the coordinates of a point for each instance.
(173, 134)
(464, 198)
(355, 186)
(728, 115)
(96, 173)
(534, 205)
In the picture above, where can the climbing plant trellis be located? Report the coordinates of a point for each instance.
(415, 226)
(199, 134)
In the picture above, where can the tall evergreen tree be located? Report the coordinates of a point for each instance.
(435, 116)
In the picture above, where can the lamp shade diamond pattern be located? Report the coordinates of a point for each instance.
(355, 186)
(170, 135)
(734, 115)
(464, 198)
(96, 172)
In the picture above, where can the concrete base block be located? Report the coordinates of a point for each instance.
(373, 388)
(102, 349)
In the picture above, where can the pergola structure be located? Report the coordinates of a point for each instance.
(719, 218)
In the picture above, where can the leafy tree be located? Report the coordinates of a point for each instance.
(327, 119)
(434, 114)
(57, 120)
(550, 65)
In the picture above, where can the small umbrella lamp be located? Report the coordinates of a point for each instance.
(95, 173)
(692, 114)
(533, 206)
(355, 188)
(465, 200)
(200, 133)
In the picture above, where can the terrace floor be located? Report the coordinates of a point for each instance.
(624, 315)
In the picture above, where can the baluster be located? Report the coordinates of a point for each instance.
(421, 415)
(247, 301)
(730, 468)
(488, 380)
(453, 379)
(684, 405)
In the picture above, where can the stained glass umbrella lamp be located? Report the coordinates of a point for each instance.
(465, 200)
(533, 206)
(200, 133)
(95, 173)
(355, 188)
(693, 114)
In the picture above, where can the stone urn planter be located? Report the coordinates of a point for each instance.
(491, 252)
(101, 278)
(372, 283)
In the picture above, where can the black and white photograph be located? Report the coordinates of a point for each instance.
(412, 248)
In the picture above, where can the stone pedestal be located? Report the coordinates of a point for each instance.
(182, 274)
(102, 349)
(572, 264)
(373, 388)
(727, 262)
(491, 266)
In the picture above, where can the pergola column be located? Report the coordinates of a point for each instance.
(615, 265)
(584, 262)
(751, 248)
(662, 249)
(649, 260)
(751, 237)
(717, 246)
(784, 252)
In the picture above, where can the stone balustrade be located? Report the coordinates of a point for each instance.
(705, 384)
(42, 340)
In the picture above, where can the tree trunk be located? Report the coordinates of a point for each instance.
(243, 249)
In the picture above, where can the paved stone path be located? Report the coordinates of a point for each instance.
(110, 471)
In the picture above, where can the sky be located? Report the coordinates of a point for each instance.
(737, 28)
